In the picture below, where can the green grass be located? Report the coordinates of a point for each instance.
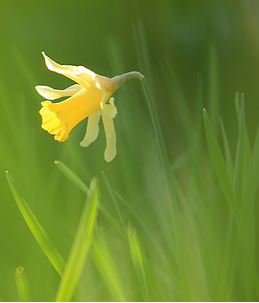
(172, 218)
(22, 284)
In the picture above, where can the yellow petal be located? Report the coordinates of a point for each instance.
(79, 74)
(92, 129)
(110, 150)
(60, 118)
(52, 94)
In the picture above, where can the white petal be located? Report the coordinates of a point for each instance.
(110, 151)
(92, 129)
(52, 94)
(78, 74)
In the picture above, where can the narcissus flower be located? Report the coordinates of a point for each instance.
(87, 98)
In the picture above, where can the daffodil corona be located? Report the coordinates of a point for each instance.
(87, 98)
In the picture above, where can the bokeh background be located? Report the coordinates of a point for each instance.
(181, 37)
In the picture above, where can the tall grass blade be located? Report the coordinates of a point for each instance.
(160, 144)
(81, 185)
(145, 228)
(71, 176)
(252, 179)
(240, 164)
(144, 61)
(107, 268)
(22, 284)
(81, 245)
(177, 94)
(38, 232)
(239, 179)
(220, 167)
(224, 180)
(213, 86)
(229, 262)
(114, 199)
(138, 260)
(239, 99)
(229, 161)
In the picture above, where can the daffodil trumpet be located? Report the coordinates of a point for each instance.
(89, 97)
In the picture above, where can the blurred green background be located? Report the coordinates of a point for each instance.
(197, 51)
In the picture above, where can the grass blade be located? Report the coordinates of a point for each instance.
(239, 99)
(107, 269)
(145, 228)
(220, 167)
(138, 260)
(224, 180)
(228, 263)
(71, 176)
(80, 246)
(81, 185)
(252, 180)
(38, 232)
(22, 284)
(213, 85)
(144, 59)
(239, 179)
(114, 200)
(229, 161)
(240, 164)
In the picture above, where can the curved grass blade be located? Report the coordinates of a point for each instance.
(81, 185)
(38, 232)
(22, 284)
(71, 176)
(80, 246)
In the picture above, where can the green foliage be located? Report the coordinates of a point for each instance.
(238, 203)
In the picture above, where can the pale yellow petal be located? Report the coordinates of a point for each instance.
(79, 74)
(92, 129)
(109, 109)
(52, 94)
(110, 150)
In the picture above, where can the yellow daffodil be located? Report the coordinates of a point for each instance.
(87, 98)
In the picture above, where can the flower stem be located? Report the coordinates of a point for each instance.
(160, 143)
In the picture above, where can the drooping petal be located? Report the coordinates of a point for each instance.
(59, 118)
(109, 109)
(79, 74)
(108, 112)
(92, 129)
(52, 94)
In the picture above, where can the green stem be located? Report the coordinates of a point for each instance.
(160, 143)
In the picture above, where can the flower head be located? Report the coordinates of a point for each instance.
(87, 98)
